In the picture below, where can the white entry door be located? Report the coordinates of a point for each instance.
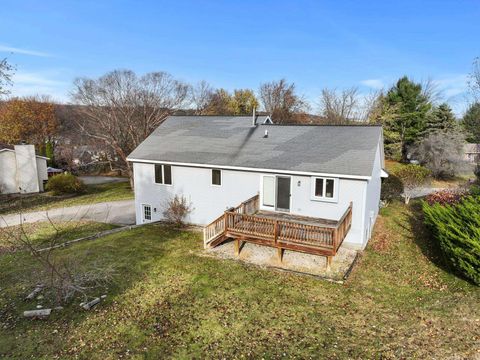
(146, 213)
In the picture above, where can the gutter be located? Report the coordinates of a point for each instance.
(240, 168)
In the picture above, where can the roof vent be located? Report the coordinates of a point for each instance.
(266, 134)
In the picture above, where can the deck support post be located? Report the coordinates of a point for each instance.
(329, 262)
(238, 244)
(280, 254)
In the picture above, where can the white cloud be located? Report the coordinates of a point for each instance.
(373, 83)
(15, 50)
(40, 83)
(453, 85)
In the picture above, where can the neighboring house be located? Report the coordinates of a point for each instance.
(472, 152)
(309, 187)
(21, 171)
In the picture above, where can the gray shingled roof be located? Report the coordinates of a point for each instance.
(233, 141)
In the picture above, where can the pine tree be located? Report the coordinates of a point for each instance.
(471, 123)
(408, 122)
(49, 153)
(441, 118)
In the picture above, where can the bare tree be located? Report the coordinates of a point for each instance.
(474, 80)
(339, 107)
(122, 109)
(6, 72)
(201, 95)
(431, 91)
(348, 106)
(442, 153)
(280, 100)
(62, 277)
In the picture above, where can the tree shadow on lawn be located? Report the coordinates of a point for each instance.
(421, 236)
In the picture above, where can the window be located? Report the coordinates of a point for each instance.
(163, 174)
(216, 177)
(147, 213)
(268, 191)
(324, 189)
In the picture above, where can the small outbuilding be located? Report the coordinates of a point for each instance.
(21, 170)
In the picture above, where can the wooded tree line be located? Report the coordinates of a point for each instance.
(120, 109)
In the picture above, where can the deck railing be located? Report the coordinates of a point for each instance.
(242, 222)
(289, 234)
(217, 227)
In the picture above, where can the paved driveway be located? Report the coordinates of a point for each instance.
(113, 212)
(95, 180)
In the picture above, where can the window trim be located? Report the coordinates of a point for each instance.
(221, 177)
(144, 219)
(163, 175)
(324, 188)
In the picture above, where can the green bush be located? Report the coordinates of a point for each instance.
(457, 229)
(65, 184)
(392, 188)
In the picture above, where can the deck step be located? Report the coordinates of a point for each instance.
(217, 240)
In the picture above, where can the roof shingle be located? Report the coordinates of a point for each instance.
(233, 141)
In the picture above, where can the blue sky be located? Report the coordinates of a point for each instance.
(240, 44)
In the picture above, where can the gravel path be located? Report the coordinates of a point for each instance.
(292, 260)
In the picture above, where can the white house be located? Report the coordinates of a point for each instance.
(21, 171)
(472, 152)
(307, 174)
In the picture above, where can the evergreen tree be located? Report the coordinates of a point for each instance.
(471, 123)
(49, 153)
(441, 118)
(408, 121)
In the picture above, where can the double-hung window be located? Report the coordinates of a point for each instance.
(325, 189)
(163, 174)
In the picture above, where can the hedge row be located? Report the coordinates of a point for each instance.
(457, 229)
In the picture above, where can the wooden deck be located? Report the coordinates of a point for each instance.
(282, 231)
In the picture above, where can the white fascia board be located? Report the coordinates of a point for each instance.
(384, 174)
(38, 156)
(239, 168)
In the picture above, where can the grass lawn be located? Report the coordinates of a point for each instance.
(41, 234)
(95, 194)
(168, 300)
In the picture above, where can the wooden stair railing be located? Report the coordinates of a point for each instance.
(216, 230)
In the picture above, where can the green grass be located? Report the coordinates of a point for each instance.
(95, 194)
(169, 301)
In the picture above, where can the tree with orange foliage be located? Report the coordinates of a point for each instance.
(30, 119)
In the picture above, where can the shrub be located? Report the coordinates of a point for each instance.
(476, 171)
(65, 184)
(392, 188)
(445, 197)
(411, 176)
(177, 209)
(442, 153)
(457, 230)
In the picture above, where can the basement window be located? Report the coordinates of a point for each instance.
(216, 177)
(325, 189)
(163, 174)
